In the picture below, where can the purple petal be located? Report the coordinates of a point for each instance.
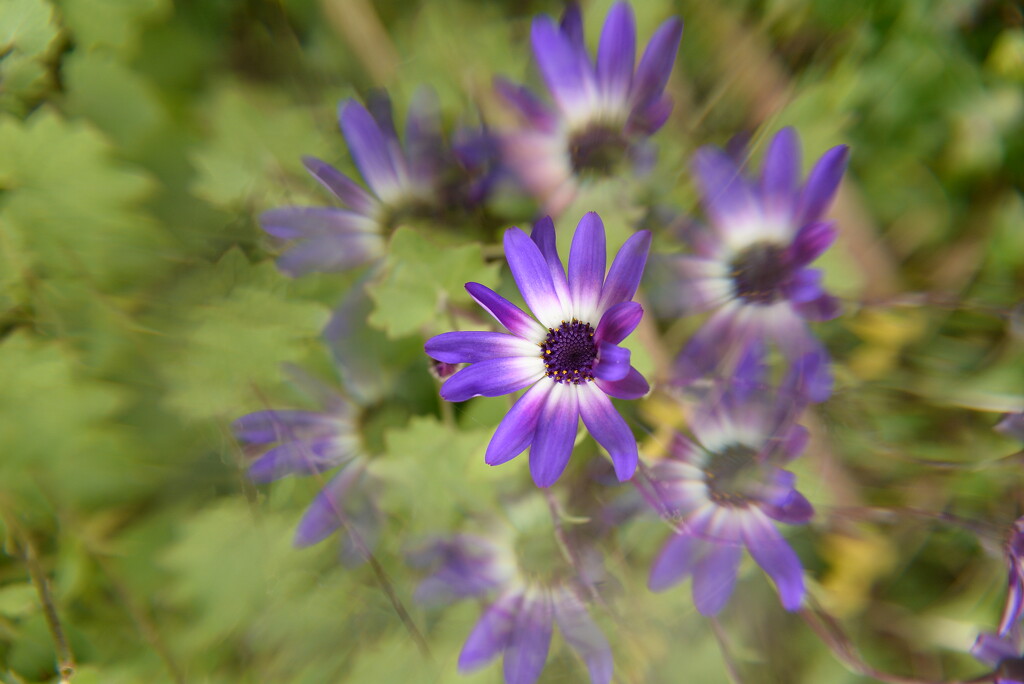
(728, 197)
(823, 308)
(586, 266)
(370, 148)
(529, 105)
(991, 649)
(777, 559)
(265, 427)
(555, 435)
(533, 277)
(804, 286)
(649, 118)
(795, 509)
(707, 347)
(528, 644)
(330, 254)
(633, 386)
(794, 443)
(626, 271)
(543, 236)
(657, 62)
(584, 636)
(612, 362)
(618, 322)
(289, 223)
(473, 346)
(515, 320)
(491, 634)
(340, 185)
(822, 183)
(560, 63)
(325, 514)
(516, 430)
(492, 378)
(809, 378)
(781, 174)
(676, 561)
(299, 457)
(424, 145)
(616, 53)
(609, 429)
(811, 241)
(571, 26)
(715, 576)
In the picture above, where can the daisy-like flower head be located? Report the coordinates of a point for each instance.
(751, 269)
(302, 442)
(603, 109)
(423, 178)
(571, 360)
(724, 490)
(520, 622)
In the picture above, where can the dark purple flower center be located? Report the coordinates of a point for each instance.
(569, 352)
(759, 272)
(597, 149)
(732, 475)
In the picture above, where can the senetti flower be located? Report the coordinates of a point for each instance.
(571, 360)
(419, 179)
(751, 268)
(519, 623)
(723, 491)
(602, 111)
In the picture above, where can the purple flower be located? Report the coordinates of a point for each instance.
(724, 491)
(571, 361)
(603, 109)
(1002, 653)
(751, 269)
(301, 442)
(465, 566)
(420, 179)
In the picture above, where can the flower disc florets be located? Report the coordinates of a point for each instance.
(569, 352)
(732, 476)
(597, 149)
(759, 273)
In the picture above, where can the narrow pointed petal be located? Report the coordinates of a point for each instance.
(528, 644)
(616, 53)
(299, 457)
(612, 362)
(532, 275)
(491, 634)
(517, 428)
(289, 223)
(707, 348)
(492, 378)
(992, 649)
(780, 174)
(727, 196)
(824, 307)
(648, 119)
(777, 559)
(533, 109)
(609, 429)
(472, 346)
(675, 563)
(515, 320)
(326, 513)
(330, 254)
(657, 62)
(822, 183)
(811, 241)
(424, 142)
(618, 322)
(804, 286)
(370, 148)
(569, 83)
(265, 427)
(586, 266)
(715, 576)
(583, 635)
(633, 386)
(555, 435)
(340, 185)
(795, 509)
(543, 236)
(571, 26)
(626, 271)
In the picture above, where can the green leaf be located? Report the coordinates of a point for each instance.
(115, 24)
(237, 342)
(421, 278)
(28, 32)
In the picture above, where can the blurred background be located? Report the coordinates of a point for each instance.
(141, 312)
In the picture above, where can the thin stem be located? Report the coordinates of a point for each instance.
(723, 647)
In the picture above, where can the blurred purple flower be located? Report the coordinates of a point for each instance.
(570, 365)
(520, 621)
(1002, 650)
(723, 491)
(302, 442)
(751, 268)
(1003, 653)
(427, 177)
(604, 109)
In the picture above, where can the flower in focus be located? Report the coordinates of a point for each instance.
(425, 178)
(603, 110)
(571, 361)
(301, 442)
(724, 490)
(519, 623)
(751, 268)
